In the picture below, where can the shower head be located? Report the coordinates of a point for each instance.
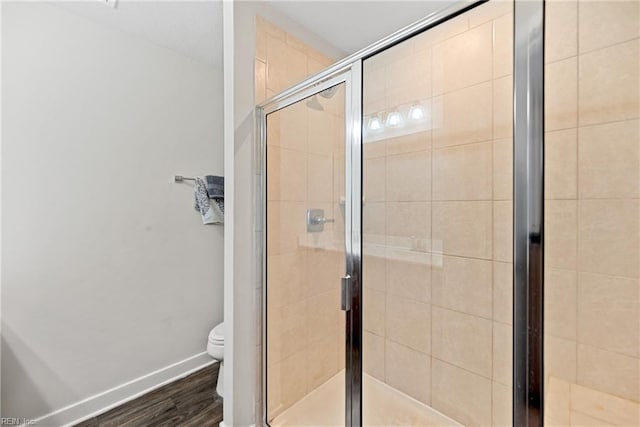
(328, 93)
(314, 104)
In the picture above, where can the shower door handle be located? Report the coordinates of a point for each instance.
(345, 293)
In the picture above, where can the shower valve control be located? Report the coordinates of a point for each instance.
(316, 220)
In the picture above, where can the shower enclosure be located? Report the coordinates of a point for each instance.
(445, 204)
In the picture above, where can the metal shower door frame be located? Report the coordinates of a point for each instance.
(351, 76)
(528, 213)
(528, 198)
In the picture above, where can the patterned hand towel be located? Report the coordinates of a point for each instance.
(215, 189)
(202, 203)
(218, 209)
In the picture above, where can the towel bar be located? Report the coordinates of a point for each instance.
(180, 178)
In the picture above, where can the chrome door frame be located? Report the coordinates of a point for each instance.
(351, 76)
(353, 245)
(528, 213)
(528, 197)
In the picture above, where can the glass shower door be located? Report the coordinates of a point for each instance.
(437, 224)
(305, 259)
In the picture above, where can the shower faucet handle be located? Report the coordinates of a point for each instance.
(324, 220)
(316, 220)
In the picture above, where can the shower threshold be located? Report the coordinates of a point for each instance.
(382, 406)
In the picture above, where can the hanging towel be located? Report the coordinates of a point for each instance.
(215, 189)
(215, 186)
(218, 210)
(202, 203)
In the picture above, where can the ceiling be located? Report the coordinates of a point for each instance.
(193, 28)
(351, 25)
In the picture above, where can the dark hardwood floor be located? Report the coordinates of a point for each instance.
(188, 402)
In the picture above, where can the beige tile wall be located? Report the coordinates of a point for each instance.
(437, 299)
(305, 335)
(592, 215)
(437, 319)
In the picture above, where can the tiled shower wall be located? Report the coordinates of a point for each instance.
(304, 170)
(592, 216)
(437, 217)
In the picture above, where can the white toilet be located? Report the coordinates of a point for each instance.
(215, 348)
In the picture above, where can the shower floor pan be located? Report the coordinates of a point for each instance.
(382, 406)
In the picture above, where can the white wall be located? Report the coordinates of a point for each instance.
(240, 307)
(108, 273)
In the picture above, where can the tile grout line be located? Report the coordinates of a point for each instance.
(493, 225)
(577, 177)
